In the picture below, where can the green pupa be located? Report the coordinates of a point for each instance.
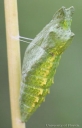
(41, 60)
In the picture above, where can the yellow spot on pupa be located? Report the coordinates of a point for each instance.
(61, 46)
(50, 65)
(50, 59)
(45, 73)
(33, 105)
(56, 53)
(40, 91)
(44, 80)
(36, 99)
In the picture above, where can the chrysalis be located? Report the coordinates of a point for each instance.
(41, 60)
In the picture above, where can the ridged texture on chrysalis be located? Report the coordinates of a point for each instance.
(41, 60)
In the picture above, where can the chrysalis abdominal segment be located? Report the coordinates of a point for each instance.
(41, 60)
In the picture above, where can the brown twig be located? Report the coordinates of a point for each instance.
(14, 66)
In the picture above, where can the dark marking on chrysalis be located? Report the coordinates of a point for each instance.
(41, 60)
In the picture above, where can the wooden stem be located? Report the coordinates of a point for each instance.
(14, 66)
